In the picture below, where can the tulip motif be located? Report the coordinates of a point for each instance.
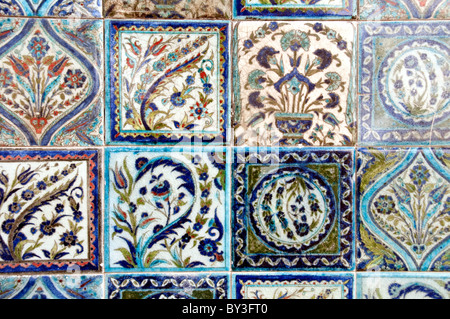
(19, 67)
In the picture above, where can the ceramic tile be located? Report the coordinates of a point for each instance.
(403, 9)
(403, 205)
(404, 79)
(292, 209)
(403, 286)
(199, 286)
(168, 82)
(294, 83)
(172, 9)
(282, 9)
(51, 82)
(167, 209)
(52, 8)
(49, 212)
(287, 286)
(51, 287)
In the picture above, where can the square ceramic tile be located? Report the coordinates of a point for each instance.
(298, 286)
(403, 206)
(295, 9)
(173, 9)
(403, 286)
(294, 83)
(51, 287)
(168, 82)
(167, 209)
(404, 83)
(52, 8)
(292, 209)
(201, 286)
(51, 82)
(49, 211)
(403, 9)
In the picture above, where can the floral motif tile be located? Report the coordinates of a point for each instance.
(294, 83)
(292, 209)
(51, 287)
(168, 82)
(49, 211)
(403, 286)
(403, 206)
(403, 9)
(198, 286)
(404, 80)
(172, 9)
(282, 9)
(52, 8)
(51, 82)
(167, 209)
(299, 286)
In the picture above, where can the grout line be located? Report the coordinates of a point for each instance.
(233, 22)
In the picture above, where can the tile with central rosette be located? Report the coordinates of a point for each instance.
(292, 209)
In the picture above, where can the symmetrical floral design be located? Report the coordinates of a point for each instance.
(286, 286)
(403, 9)
(54, 8)
(204, 286)
(50, 82)
(404, 85)
(404, 210)
(293, 84)
(292, 209)
(168, 82)
(48, 211)
(403, 286)
(51, 287)
(166, 209)
(295, 8)
(168, 9)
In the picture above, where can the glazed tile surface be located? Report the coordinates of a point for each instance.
(292, 209)
(168, 82)
(403, 286)
(294, 9)
(294, 84)
(198, 286)
(404, 80)
(287, 286)
(49, 212)
(403, 9)
(51, 287)
(51, 82)
(403, 204)
(52, 8)
(172, 9)
(167, 209)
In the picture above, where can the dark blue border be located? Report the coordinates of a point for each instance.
(239, 11)
(113, 136)
(346, 204)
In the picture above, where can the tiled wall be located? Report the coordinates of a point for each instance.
(224, 149)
